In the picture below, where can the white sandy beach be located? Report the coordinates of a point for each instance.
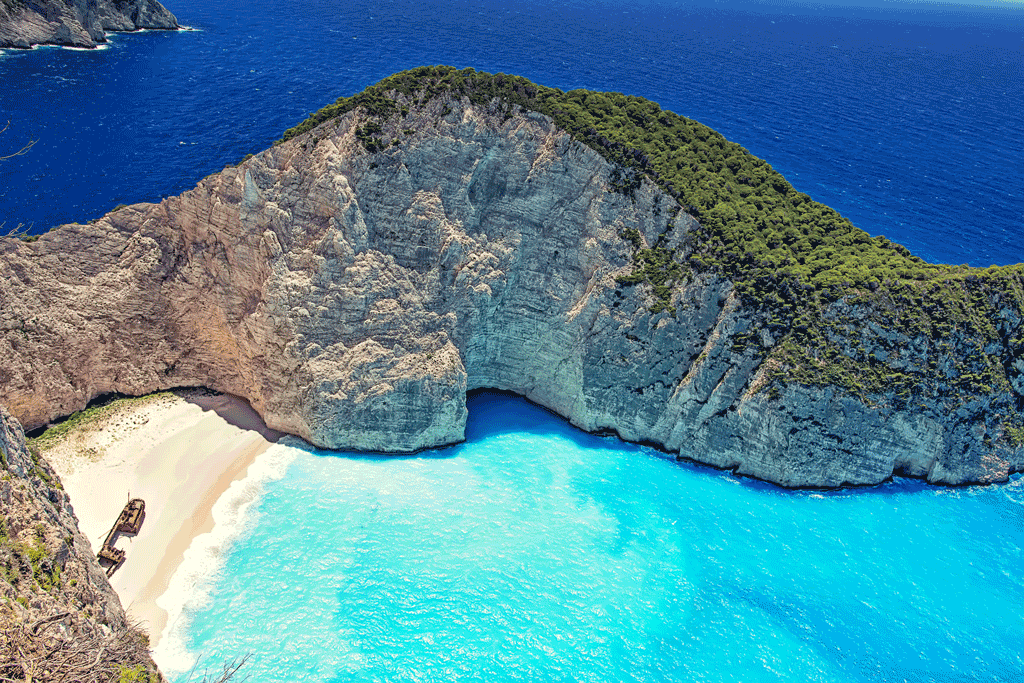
(179, 452)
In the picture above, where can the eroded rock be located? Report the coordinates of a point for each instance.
(78, 23)
(354, 297)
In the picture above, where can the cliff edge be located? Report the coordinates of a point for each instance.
(623, 266)
(78, 23)
(59, 617)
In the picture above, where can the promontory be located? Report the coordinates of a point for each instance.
(628, 268)
(77, 23)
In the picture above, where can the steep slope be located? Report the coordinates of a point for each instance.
(59, 617)
(623, 266)
(79, 23)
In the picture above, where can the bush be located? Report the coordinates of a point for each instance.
(136, 674)
(788, 257)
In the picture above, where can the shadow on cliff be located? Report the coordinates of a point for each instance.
(234, 410)
(494, 412)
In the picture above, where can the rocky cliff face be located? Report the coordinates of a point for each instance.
(354, 296)
(79, 23)
(59, 615)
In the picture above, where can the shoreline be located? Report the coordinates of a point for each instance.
(101, 45)
(180, 452)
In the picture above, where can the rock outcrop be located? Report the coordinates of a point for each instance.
(58, 612)
(78, 23)
(353, 287)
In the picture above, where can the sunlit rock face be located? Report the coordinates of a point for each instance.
(354, 297)
(78, 23)
(56, 598)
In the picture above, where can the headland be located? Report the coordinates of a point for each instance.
(77, 24)
(623, 266)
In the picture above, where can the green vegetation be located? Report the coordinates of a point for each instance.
(790, 258)
(22, 559)
(366, 135)
(90, 416)
(1014, 434)
(40, 469)
(45, 570)
(655, 267)
(373, 100)
(136, 674)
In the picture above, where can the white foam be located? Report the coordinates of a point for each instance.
(101, 46)
(1014, 490)
(189, 587)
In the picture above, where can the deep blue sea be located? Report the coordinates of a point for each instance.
(534, 552)
(904, 117)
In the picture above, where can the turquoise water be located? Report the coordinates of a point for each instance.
(534, 552)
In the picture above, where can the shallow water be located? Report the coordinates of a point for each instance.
(536, 552)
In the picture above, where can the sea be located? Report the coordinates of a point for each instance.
(534, 552)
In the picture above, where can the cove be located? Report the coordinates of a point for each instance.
(534, 551)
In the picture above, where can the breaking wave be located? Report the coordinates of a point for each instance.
(189, 588)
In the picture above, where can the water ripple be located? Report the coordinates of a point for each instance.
(535, 552)
(906, 122)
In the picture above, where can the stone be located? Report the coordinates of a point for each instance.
(354, 298)
(77, 23)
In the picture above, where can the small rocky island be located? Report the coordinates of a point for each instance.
(76, 23)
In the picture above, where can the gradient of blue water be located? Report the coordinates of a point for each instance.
(534, 552)
(903, 117)
(537, 553)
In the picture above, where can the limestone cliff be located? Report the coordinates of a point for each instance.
(79, 23)
(356, 280)
(59, 617)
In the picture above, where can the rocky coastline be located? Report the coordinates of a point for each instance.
(355, 281)
(58, 612)
(76, 23)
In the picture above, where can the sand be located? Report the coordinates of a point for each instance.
(179, 452)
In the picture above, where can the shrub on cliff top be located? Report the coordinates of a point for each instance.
(787, 255)
(755, 227)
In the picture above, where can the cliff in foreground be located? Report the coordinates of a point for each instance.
(59, 618)
(78, 23)
(621, 265)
